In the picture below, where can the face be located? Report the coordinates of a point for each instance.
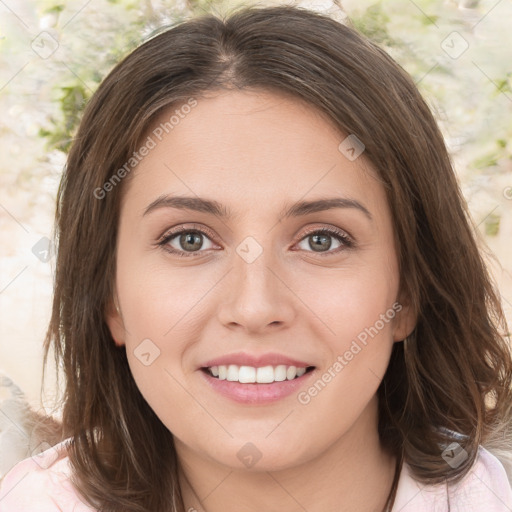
(256, 284)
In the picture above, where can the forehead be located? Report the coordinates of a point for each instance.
(249, 147)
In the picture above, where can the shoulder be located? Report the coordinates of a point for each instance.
(485, 487)
(41, 483)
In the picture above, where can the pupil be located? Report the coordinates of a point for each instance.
(321, 238)
(189, 238)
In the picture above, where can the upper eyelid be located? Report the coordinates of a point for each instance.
(171, 233)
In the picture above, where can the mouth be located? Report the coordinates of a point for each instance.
(256, 375)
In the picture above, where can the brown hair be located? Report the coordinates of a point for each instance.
(449, 381)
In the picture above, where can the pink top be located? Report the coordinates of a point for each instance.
(42, 484)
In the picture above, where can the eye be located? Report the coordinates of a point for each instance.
(185, 241)
(189, 241)
(320, 241)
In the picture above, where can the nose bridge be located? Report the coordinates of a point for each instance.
(256, 296)
(253, 264)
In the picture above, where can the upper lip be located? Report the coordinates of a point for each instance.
(244, 359)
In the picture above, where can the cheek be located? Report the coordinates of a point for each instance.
(358, 309)
(163, 310)
(361, 315)
(365, 315)
(158, 300)
(353, 301)
(164, 389)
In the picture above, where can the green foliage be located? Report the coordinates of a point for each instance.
(55, 9)
(492, 224)
(91, 62)
(373, 23)
(72, 101)
(429, 20)
(505, 84)
(410, 31)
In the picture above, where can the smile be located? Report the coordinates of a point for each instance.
(253, 386)
(261, 375)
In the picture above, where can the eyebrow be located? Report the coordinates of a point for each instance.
(297, 209)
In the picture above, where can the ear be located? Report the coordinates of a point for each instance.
(115, 322)
(405, 319)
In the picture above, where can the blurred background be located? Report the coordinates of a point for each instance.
(53, 55)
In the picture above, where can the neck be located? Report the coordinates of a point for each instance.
(355, 474)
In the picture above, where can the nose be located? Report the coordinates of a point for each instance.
(257, 298)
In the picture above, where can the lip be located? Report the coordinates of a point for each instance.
(255, 393)
(256, 361)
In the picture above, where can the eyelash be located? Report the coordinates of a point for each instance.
(334, 232)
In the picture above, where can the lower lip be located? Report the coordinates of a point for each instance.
(255, 393)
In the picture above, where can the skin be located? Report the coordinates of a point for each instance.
(255, 152)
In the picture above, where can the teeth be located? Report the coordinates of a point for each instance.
(244, 373)
(291, 372)
(280, 372)
(265, 374)
(232, 373)
(262, 375)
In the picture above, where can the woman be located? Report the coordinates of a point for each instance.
(220, 352)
